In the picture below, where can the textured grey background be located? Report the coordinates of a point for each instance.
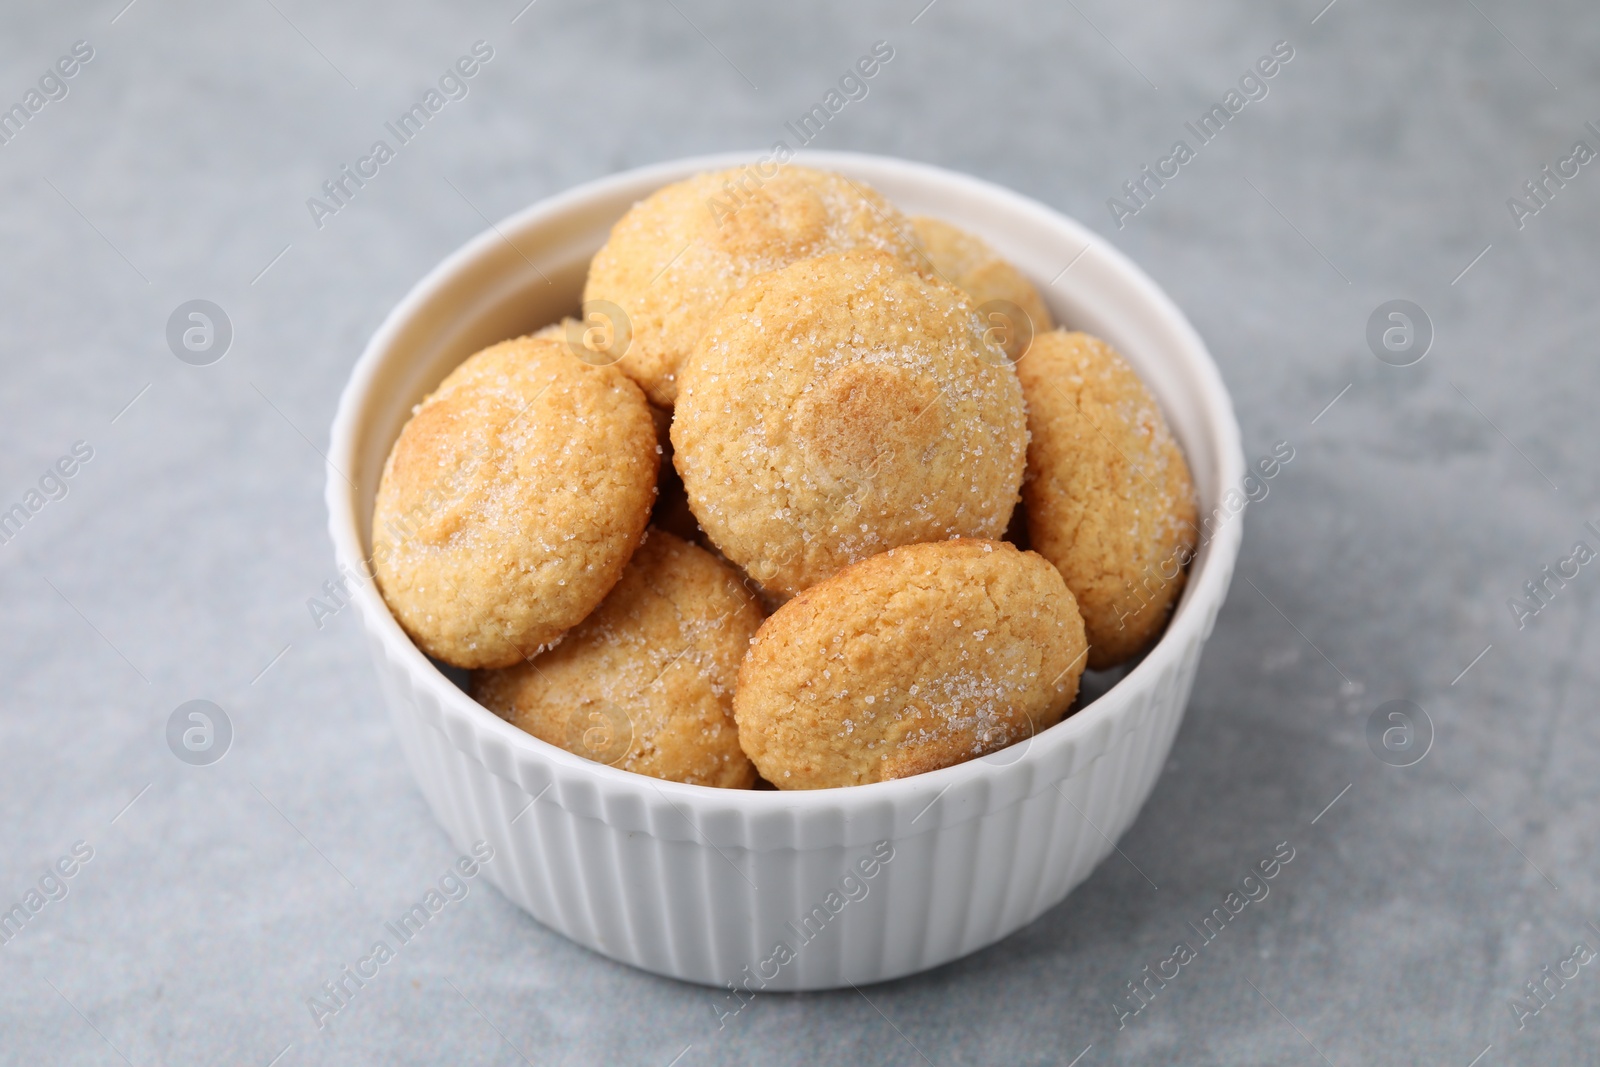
(1378, 568)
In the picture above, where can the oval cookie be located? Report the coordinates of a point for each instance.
(677, 255)
(1108, 496)
(511, 501)
(646, 682)
(841, 407)
(916, 659)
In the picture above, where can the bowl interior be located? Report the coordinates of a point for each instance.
(528, 271)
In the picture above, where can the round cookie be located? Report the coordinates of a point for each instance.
(671, 510)
(969, 264)
(646, 682)
(511, 501)
(912, 660)
(677, 255)
(840, 407)
(1108, 496)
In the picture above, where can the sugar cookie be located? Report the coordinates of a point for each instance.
(677, 255)
(840, 407)
(995, 286)
(646, 682)
(511, 501)
(912, 660)
(1108, 497)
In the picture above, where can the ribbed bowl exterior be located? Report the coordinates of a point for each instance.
(783, 890)
(652, 888)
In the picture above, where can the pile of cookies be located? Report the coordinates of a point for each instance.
(764, 514)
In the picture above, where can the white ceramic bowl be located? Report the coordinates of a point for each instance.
(860, 884)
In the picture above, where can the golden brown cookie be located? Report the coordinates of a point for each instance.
(840, 407)
(912, 660)
(966, 262)
(646, 682)
(677, 255)
(1108, 495)
(511, 501)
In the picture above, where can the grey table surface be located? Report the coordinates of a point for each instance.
(178, 564)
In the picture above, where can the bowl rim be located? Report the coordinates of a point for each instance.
(1205, 590)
